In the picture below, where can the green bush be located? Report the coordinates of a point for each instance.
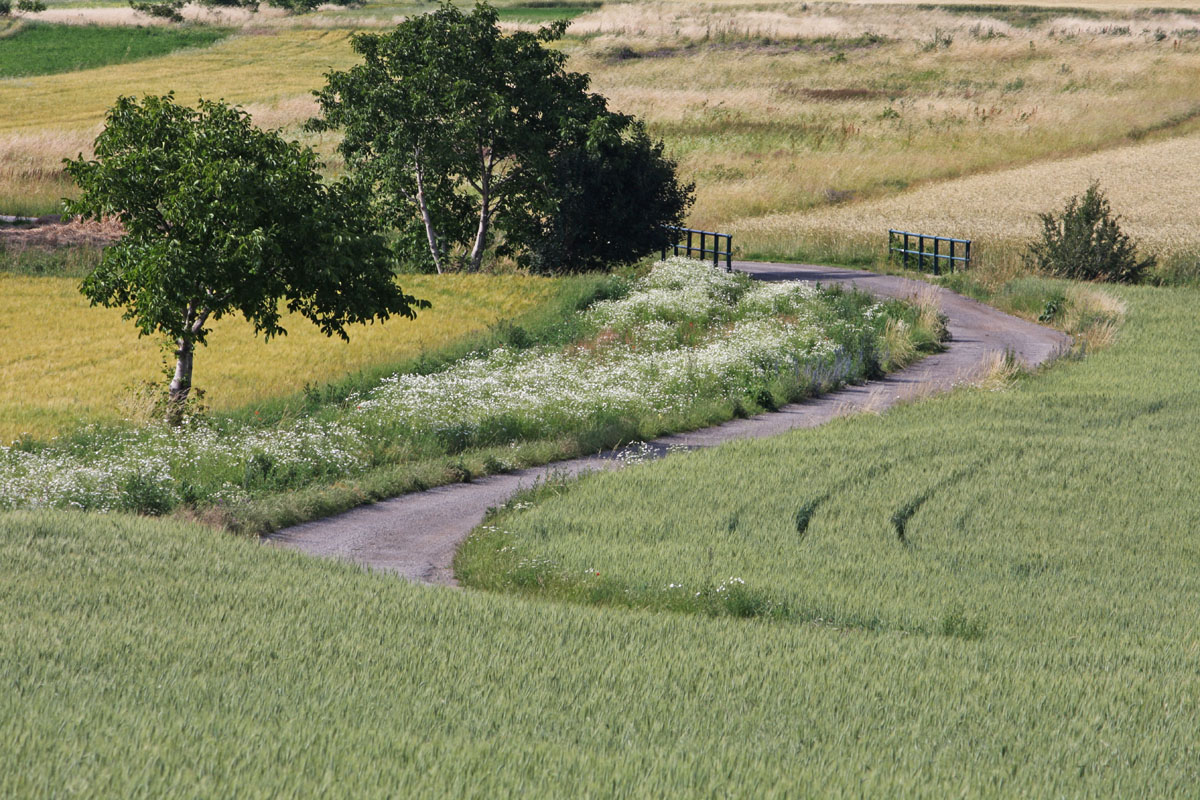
(1085, 242)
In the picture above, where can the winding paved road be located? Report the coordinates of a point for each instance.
(415, 535)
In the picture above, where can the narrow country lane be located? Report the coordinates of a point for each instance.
(415, 536)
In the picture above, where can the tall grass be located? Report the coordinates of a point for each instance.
(1150, 185)
(790, 108)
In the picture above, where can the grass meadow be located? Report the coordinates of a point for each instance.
(64, 362)
(1031, 635)
(41, 49)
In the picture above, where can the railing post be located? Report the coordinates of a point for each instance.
(729, 252)
(967, 255)
(937, 267)
(952, 255)
(921, 252)
(906, 249)
(689, 246)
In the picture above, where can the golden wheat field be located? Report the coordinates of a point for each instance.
(1154, 187)
(784, 111)
(62, 361)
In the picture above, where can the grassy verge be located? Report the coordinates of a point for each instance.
(689, 345)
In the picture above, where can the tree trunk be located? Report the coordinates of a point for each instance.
(181, 384)
(185, 351)
(430, 231)
(480, 236)
(485, 209)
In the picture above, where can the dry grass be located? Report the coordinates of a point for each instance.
(1152, 186)
(1093, 316)
(781, 109)
(53, 234)
(807, 127)
(63, 361)
(265, 68)
(50, 118)
(999, 371)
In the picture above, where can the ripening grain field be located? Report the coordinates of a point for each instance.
(1152, 186)
(63, 362)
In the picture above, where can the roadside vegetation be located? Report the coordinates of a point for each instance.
(688, 345)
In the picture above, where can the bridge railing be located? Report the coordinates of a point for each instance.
(902, 243)
(684, 238)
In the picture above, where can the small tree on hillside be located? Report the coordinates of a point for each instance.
(1085, 242)
(224, 218)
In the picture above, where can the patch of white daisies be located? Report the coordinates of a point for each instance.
(685, 332)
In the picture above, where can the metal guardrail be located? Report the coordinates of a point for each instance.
(900, 242)
(683, 243)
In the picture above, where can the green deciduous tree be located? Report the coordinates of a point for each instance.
(611, 194)
(459, 128)
(1085, 242)
(224, 218)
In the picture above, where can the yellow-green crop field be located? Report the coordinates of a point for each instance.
(1152, 185)
(63, 362)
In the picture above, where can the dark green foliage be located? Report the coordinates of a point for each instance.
(611, 196)
(1085, 242)
(453, 123)
(224, 218)
(44, 49)
(460, 129)
(5, 8)
(31, 6)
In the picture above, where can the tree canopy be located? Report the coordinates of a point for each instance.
(224, 218)
(460, 128)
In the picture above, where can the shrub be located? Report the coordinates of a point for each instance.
(30, 6)
(5, 8)
(1085, 242)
